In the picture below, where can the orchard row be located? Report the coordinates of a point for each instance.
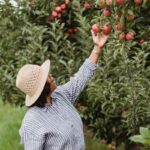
(108, 9)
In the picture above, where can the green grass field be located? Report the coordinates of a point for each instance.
(10, 120)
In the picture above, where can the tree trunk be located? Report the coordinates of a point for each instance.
(133, 146)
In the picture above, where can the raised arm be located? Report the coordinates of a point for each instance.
(99, 41)
(74, 87)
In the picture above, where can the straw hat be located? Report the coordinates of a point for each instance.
(31, 80)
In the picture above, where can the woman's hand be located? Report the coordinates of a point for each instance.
(99, 39)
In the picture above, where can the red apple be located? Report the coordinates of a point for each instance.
(58, 9)
(95, 28)
(59, 15)
(138, 2)
(119, 26)
(74, 30)
(106, 12)
(87, 5)
(107, 29)
(54, 13)
(120, 2)
(63, 11)
(122, 36)
(51, 18)
(130, 36)
(141, 41)
(63, 6)
(70, 30)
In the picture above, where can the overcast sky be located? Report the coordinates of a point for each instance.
(12, 1)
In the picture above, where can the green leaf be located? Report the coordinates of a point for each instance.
(114, 2)
(145, 132)
(122, 20)
(116, 53)
(138, 139)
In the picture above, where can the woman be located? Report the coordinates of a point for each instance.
(52, 122)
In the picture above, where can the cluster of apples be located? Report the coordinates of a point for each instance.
(119, 27)
(126, 36)
(58, 12)
(71, 31)
(104, 3)
(106, 29)
(107, 12)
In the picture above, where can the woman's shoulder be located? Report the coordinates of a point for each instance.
(32, 120)
(33, 117)
(60, 95)
(32, 114)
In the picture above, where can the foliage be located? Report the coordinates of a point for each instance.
(144, 136)
(116, 103)
(23, 41)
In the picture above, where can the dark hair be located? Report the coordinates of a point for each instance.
(41, 101)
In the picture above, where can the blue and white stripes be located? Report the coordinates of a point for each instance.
(59, 126)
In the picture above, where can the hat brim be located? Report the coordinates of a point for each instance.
(45, 71)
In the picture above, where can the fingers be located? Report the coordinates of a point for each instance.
(94, 34)
(99, 36)
(104, 36)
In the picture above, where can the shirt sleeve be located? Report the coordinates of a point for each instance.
(31, 141)
(77, 83)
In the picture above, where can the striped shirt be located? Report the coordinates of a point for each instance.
(58, 126)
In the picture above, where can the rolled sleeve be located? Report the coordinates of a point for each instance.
(77, 83)
(90, 65)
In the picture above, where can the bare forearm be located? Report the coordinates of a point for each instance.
(95, 54)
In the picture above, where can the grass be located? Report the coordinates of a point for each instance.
(92, 143)
(10, 120)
